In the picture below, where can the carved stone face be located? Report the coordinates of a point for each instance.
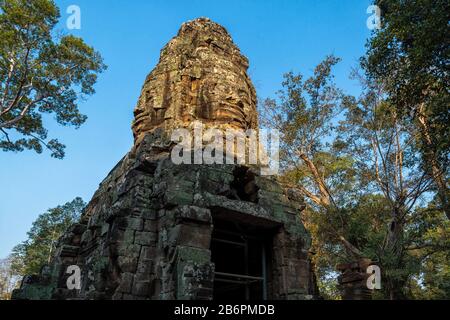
(201, 76)
(227, 102)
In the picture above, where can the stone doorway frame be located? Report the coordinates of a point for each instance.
(248, 228)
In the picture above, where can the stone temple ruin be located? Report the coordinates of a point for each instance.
(158, 230)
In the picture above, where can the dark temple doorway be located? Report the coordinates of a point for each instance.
(240, 254)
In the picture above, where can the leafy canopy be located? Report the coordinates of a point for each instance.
(40, 74)
(29, 256)
(410, 57)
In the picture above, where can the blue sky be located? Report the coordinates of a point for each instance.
(276, 36)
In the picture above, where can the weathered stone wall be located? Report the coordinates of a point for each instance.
(146, 233)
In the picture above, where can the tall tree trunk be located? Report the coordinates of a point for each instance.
(393, 249)
(435, 169)
(395, 289)
(325, 199)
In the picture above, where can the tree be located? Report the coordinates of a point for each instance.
(381, 144)
(430, 247)
(8, 280)
(29, 256)
(40, 75)
(305, 114)
(410, 57)
(366, 190)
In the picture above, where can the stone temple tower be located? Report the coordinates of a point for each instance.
(159, 230)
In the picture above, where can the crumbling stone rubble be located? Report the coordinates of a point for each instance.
(352, 282)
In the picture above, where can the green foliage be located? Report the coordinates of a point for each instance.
(410, 57)
(304, 109)
(356, 162)
(430, 248)
(410, 53)
(369, 166)
(40, 75)
(305, 114)
(363, 223)
(8, 280)
(29, 256)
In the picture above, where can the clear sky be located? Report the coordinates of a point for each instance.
(276, 36)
